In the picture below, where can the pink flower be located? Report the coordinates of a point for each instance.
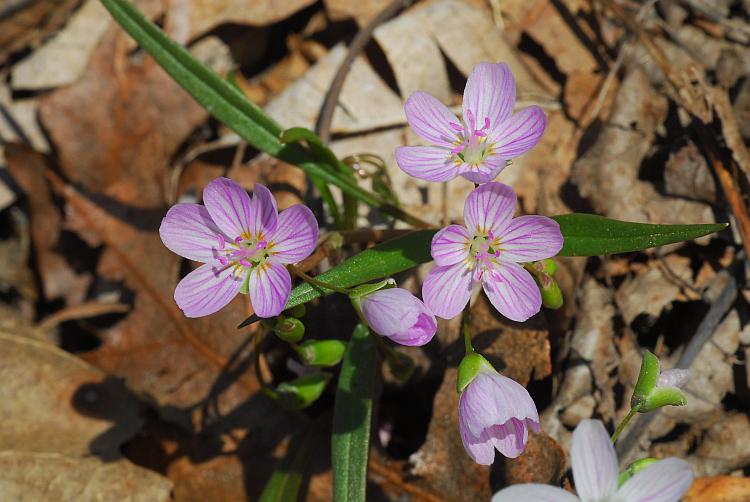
(596, 479)
(488, 250)
(397, 314)
(479, 146)
(495, 412)
(244, 244)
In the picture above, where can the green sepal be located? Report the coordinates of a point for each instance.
(471, 366)
(663, 396)
(321, 352)
(245, 288)
(634, 469)
(367, 289)
(303, 391)
(647, 380)
(289, 329)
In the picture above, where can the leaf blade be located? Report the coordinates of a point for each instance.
(352, 416)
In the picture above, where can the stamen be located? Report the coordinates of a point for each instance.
(456, 127)
(460, 148)
(470, 120)
(222, 241)
(238, 240)
(482, 132)
(245, 263)
(261, 245)
(223, 260)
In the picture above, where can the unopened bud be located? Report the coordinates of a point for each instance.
(653, 391)
(552, 297)
(634, 469)
(321, 352)
(471, 366)
(289, 329)
(303, 391)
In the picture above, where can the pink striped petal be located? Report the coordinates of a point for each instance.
(265, 213)
(518, 134)
(206, 290)
(446, 290)
(594, 462)
(451, 245)
(235, 213)
(296, 235)
(530, 238)
(489, 208)
(189, 231)
(431, 119)
(490, 92)
(399, 315)
(663, 481)
(270, 286)
(512, 291)
(431, 163)
(534, 492)
(484, 172)
(479, 449)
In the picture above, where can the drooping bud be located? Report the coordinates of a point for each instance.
(321, 352)
(303, 391)
(543, 272)
(652, 390)
(289, 329)
(471, 366)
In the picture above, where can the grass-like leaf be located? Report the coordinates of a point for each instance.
(352, 414)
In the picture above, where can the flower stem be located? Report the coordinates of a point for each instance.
(622, 424)
(466, 328)
(315, 282)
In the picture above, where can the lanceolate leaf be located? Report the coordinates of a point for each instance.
(592, 235)
(584, 235)
(352, 414)
(230, 106)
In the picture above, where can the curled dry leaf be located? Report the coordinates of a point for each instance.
(51, 477)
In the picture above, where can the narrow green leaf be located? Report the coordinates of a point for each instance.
(592, 235)
(352, 414)
(228, 105)
(584, 235)
(286, 480)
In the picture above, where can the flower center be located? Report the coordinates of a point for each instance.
(245, 251)
(471, 142)
(483, 254)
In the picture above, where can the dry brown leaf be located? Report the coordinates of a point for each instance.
(121, 146)
(50, 477)
(724, 447)
(26, 23)
(54, 402)
(687, 175)
(362, 11)
(719, 489)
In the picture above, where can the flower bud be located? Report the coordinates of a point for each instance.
(303, 391)
(471, 365)
(652, 390)
(289, 329)
(399, 315)
(552, 297)
(321, 352)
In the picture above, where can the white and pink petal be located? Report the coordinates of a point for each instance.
(530, 238)
(490, 93)
(663, 481)
(489, 208)
(207, 289)
(451, 245)
(189, 231)
(534, 492)
(446, 289)
(594, 461)
(512, 291)
(295, 236)
(229, 206)
(264, 211)
(431, 163)
(431, 119)
(518, 134)
(270, 286)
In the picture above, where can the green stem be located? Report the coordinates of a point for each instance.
(315, 282)
(466, 324)
(622, 424)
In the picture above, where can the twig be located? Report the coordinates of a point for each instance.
(323, 124)
(704, 333)
(82, 311)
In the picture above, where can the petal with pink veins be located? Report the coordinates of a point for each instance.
(206, 290)
(518, 134)
(489, 208)
(431, 163)
(446, 290)
(594, 461)
(490, 93)
(530, 238)
(451, 245)
(270, 286)
(534, 492)
(431, 119)
(296, 234)
(189, 231)
(663, 481)
(265, 214)
(512, 291)
(229, 206)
